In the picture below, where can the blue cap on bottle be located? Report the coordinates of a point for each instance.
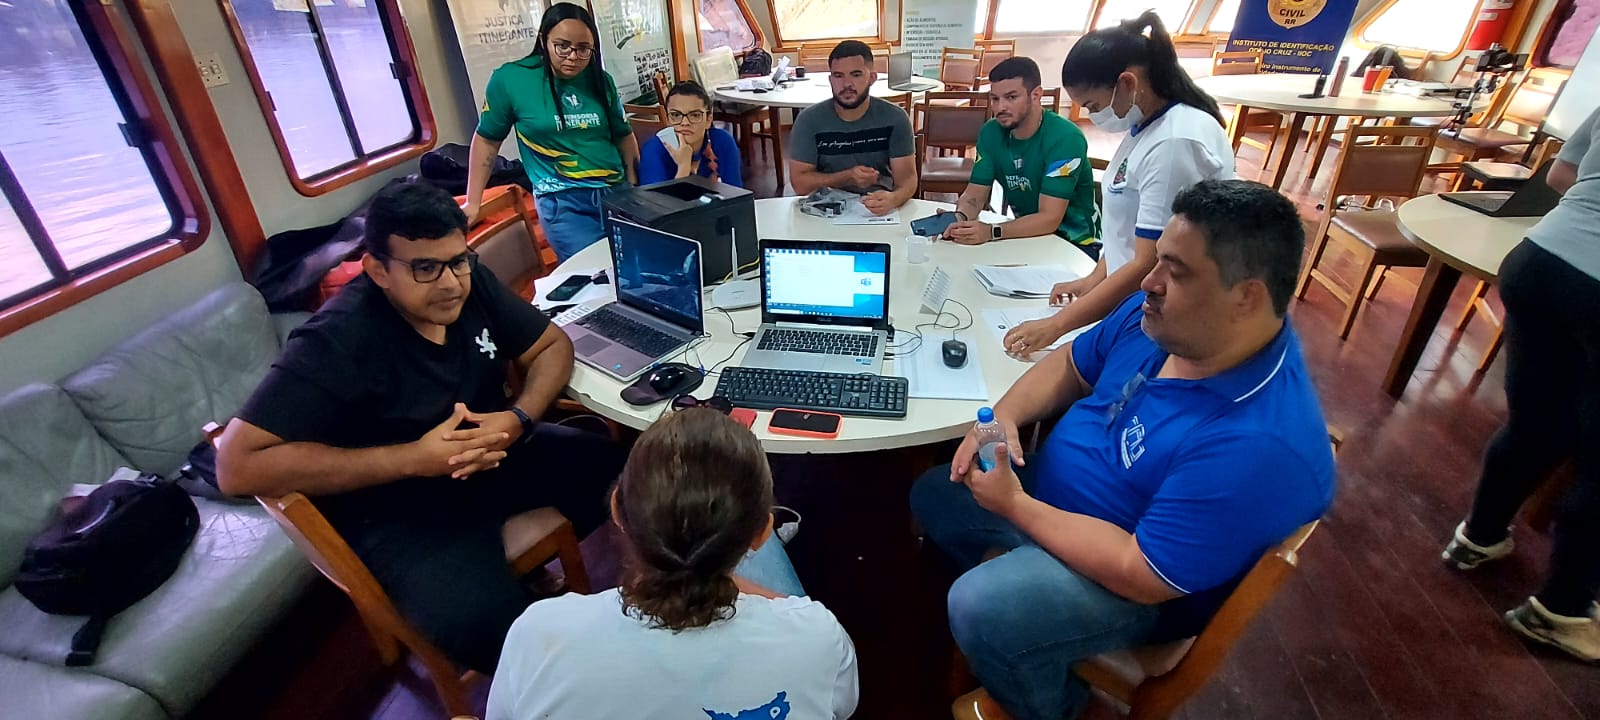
(985, 415)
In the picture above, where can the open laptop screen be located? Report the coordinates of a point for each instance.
(825, 283)
(657, 272)
(899, 67)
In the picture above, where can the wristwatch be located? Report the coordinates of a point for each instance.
(994, 231)
(527, 424)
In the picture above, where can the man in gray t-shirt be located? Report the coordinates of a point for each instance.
(854, 142)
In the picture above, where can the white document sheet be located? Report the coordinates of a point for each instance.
(1000, 322)
(929, 377)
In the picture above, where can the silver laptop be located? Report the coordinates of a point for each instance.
(900, 77)
(824, 307)
(657, 311)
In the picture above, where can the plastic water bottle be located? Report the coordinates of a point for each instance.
(990, 437)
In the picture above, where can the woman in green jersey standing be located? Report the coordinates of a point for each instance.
(570, 129)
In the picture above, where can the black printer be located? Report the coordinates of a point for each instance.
(722, 218)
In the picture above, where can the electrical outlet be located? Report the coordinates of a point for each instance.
(211, 72)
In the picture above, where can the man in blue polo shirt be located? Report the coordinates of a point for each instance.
(1192, 442)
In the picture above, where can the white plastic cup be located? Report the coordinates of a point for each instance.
(917, 249)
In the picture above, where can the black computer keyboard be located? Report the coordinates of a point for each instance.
(629, 332)
(853, 344)
(858, 394)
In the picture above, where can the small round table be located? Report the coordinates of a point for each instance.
(800, 94)
(1282, 93)
(926, 420)
(1458, 240)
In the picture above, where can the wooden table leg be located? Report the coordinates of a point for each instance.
(1438, 283)
(775, 118)
(1292, 139)
(1236, 128)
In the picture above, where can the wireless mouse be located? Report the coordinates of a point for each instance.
(955, 353)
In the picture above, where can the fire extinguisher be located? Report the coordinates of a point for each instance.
(1493, 18)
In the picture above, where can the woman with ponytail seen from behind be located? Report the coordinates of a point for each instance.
(1128, 79)
(687, 634)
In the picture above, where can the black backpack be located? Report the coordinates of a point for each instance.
(105, 552)
(756, 62)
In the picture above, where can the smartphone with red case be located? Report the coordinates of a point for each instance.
(743, 416)
(805, 423)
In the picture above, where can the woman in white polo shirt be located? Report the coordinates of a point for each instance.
(1129, 80)
(685, 636)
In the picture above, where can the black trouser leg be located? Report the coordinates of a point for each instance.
(444, 567)
(1553, 402)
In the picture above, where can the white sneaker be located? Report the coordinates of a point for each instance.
(1578, 637)
(1465, 554)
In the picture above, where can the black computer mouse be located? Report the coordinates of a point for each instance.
(955, 353)
(670, 377)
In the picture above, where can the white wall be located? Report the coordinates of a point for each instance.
(52, 348)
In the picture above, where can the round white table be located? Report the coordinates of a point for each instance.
(1281, 93)
(926, 420)
(800, 94)
(1458, 240)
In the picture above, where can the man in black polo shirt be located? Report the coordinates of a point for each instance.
(389, 408)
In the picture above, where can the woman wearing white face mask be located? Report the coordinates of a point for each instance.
(1131, 82)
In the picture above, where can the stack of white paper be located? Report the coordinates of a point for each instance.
(1021, 281)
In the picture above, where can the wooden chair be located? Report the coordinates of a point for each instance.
(900, 100)
(1051, 100)
(748, 122)
(1248, 62)
(959, 68)
(947, 127)
(994, 53)
(1153, 681)
(814, 56)
(1384, 168)
(516, 258)
(531, 540)
(1528, 104)
(657, 112)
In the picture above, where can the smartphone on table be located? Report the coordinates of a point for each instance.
(568, 288)
(805, 423)
(934, 225)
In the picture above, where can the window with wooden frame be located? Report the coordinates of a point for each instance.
(1438, 28)
(337, 82)
(797, 21)
(1222, 17)
(95, 188)
(1568, 31)
(1042, 16)
(1173, 13)
(726, 23)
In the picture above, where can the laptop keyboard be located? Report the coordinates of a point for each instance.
(628, 332)
(823, 343)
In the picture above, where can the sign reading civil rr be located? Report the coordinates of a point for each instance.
(1294, 36)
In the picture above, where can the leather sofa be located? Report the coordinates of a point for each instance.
(142, 405)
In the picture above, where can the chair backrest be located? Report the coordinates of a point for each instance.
(958, 67)
(646, 127)
(814, 57)
(994, 52)
(1241, 62)
(900, 100)
(508, 242)
(1051, 99)
(952, 126)
(1529, 104)
(661, 83)
(716, 67)
(645, 112)
(1159, 696)
(1383, 165)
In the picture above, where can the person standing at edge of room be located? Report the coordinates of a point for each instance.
(1130, 81)
(703, 150)
(1041, 158)
(1550, 284)
(854, 142)
(572, 134)
(690, 632)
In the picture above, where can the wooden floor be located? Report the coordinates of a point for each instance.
(1373, 626)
